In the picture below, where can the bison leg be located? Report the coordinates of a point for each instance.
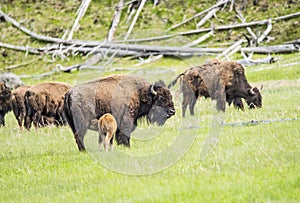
(37, 118)
(2, 121)
(101, 140)
(27, 122)
(192, 105)
(185, 103)
(108, 140)
(79, 137)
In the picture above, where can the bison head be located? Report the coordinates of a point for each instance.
(5, 103)
(162, 105)
(254, 98)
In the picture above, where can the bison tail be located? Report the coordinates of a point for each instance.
(68, 112)
(175, 81)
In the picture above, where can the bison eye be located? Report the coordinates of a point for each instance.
(161, 99)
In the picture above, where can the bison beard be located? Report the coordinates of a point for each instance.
(127, 98)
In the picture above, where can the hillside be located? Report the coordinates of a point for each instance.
(54, 18)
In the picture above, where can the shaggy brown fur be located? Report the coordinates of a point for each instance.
(126, 97)
(18, 104)
(222, 81)
(43, 101)
(5, 102)
(107, 125)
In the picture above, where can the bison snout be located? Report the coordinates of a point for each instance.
(171, 112)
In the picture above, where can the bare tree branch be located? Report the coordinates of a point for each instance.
(229, 49)
(135, 19)
(199, 14)
(200, 39)
(208, 16)
(80, 13)
(115, 21)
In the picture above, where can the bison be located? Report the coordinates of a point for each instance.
(5, 102)
(107, 125)
(126, 97)
(222, 81)
(44, 103)
(18, 104)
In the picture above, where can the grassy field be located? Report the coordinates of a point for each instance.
(251, 163)
(256, 158)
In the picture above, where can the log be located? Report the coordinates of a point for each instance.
(229, 49)
(217, 28)
(200, 39)
(288, 48)
(248, 61)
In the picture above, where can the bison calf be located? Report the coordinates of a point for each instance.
(107, 125)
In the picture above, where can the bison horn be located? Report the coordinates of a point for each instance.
(261, 87)
(152, 90)
(251, 91)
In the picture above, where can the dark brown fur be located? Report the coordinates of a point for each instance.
(5, 102)
(222, 81)
(127, 98)
(18, 104)
(43, 101)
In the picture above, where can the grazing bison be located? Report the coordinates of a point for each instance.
(222, 81)
(127, 98)
(44, 102)
(5, 102)
(18, 104)
(107, 125)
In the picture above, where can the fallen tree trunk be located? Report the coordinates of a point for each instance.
(288, 48)
(120, 50)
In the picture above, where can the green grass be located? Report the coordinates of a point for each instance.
(251, 163)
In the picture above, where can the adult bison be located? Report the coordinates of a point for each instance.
(18, 104)
(222, 81)
(44, 102)
(5, 102)
(126, 97)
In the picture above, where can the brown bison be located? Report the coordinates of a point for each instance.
(44, 102)
(18, 104)
(5, 102)
(107, 125)
(222, 81)
(127, 98)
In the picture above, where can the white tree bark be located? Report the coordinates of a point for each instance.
(115, 21)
